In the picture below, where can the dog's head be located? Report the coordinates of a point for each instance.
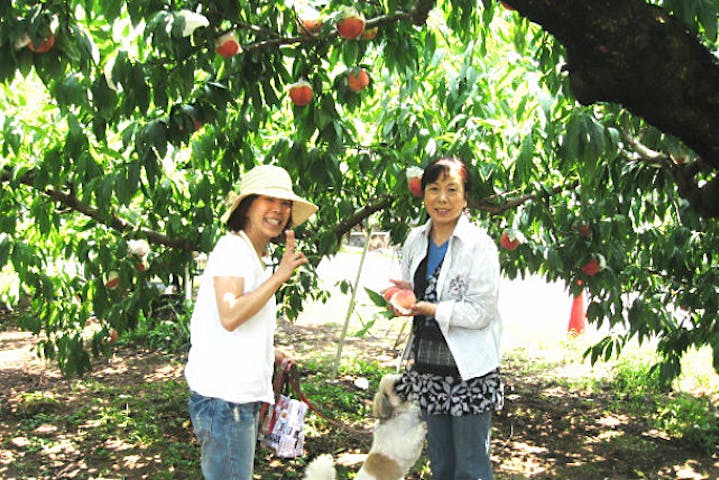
(386, 401)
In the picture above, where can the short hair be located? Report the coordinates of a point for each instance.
(442, 166)
(238, 218)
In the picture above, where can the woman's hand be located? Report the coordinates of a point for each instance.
(291, 259)
(427, 309)
(400, 284)
(281, 356)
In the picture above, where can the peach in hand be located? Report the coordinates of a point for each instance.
(403, 300)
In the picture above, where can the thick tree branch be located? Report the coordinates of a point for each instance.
(361, 215)
(494, 205)
(704, 198)
(113, 221)
(500, 203)
(277, 42)
(635, 54)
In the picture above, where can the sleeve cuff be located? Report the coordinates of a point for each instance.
(444, 313)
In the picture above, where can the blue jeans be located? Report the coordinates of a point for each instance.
(227, 433)
(458, 447)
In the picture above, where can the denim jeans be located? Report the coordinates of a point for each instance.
(227, 433)
(458, 447)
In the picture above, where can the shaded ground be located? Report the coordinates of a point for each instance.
(52, 428)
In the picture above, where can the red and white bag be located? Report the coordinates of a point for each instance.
(282, 424)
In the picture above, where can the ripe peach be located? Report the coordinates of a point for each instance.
(584, 230)
(357, 79)
(389, 291)
(592, 267)
(415, 186)
(403, 300)
(44, 46)
(370, 33)
(301, 93)
(227, 45)
(351, 23)
(508, 241)
(414, 181)
(113, 280)
(311, 25)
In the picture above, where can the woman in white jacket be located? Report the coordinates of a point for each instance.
(454, 355)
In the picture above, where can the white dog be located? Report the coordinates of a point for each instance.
(396, 443)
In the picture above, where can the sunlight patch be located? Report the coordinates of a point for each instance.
(118, 445)
(133, 462)
(613, 421)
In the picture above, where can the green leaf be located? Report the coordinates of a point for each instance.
(104, 98)
(69, 91)
(376, 298)
(5, 246)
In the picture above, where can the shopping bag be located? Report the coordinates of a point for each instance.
(285, 430)
(282, 424)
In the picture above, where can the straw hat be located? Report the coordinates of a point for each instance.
(272, 181)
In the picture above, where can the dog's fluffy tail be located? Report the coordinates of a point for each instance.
(321, 468)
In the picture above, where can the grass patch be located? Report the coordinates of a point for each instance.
(131, 421)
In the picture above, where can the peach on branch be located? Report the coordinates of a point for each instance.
(509, 240)
(301, 93)
(414, 181)
(113, 280)
(357, 79)
(350, 23)
(594, 265)
(138, 247)
(227, 45)
(44, 46)
(310, 21)
(585, 231)
(370, 33)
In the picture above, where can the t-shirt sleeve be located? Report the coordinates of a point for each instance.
(230, 258)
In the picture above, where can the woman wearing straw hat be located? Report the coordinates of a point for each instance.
(231, 359)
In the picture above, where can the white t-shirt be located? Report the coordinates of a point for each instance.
(233, 366)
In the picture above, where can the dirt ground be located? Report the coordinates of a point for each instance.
(545, 431)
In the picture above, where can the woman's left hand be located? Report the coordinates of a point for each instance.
(291, 259)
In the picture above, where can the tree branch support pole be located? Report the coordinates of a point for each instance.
(351, 306)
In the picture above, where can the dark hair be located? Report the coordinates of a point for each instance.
(441, 167)
(238, 217)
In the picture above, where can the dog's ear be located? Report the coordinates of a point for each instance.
(386, 399)
(382, 406)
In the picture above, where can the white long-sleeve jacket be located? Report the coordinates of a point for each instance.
(468, 291)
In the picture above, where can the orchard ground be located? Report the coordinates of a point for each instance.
(561, 419)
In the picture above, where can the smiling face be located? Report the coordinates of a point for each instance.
(267, 218)
(445, 198)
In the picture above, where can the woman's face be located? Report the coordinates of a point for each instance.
(267, 217)
(444, 199)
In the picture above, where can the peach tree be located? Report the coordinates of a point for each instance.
(590, 128)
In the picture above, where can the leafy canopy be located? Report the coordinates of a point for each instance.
(131, 127)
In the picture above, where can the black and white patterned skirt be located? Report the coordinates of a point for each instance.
(447, 395)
